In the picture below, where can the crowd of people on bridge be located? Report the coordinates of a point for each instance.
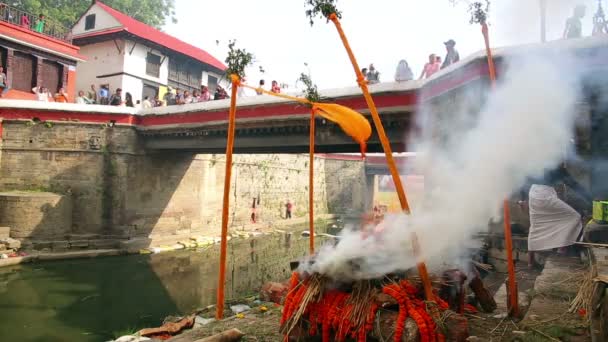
(403, 72)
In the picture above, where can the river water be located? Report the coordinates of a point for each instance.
(103, 298)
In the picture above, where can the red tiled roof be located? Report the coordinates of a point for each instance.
(144, 31)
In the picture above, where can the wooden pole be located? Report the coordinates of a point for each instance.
(512, 301)
(219, 314)
(543, 21)
(386, 146)
(311, 183)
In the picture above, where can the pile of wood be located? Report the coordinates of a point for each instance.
(393, 308)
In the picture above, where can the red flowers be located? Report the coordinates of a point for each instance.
(333, 310)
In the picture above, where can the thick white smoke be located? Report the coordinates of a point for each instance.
(523, 130)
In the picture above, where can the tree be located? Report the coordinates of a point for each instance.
(67, 12)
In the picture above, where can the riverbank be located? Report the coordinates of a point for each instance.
(547, 316)
(95, 299)
(82, 249)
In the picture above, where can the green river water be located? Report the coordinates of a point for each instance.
(103, 298)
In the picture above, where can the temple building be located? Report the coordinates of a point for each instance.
(125, 53)
(36, 56)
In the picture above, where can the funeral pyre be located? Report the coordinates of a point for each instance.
(389, 308)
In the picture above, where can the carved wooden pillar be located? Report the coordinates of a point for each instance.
(10, 53)
(39, 71)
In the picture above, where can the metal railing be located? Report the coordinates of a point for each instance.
(27, 20)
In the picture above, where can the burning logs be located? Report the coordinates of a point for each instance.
(453, 290)
(483, 296)
(385, 327)
(368, 308)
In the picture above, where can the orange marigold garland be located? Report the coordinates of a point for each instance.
(333, 312)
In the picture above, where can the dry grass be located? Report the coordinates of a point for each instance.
(583, 298)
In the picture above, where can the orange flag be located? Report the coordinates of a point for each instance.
(352, 123)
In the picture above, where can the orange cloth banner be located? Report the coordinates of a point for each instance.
(352, 123)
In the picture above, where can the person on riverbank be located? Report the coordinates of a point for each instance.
(554, 224)
(288, 209)
(253, 217)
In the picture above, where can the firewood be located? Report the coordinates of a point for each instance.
(482, 294)
(226, 336)
(384, 328)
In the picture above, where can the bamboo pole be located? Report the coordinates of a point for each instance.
(512, 300)
(219, 314)
(386, 146)
(311, 182)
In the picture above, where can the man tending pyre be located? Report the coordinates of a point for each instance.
(553, 222)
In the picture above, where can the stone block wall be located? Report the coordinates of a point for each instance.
(36, 214)
(66, 158)
(120, 191)
(346, 186)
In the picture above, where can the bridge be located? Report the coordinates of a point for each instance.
(265, 124)
(157, 173)
(270, 125)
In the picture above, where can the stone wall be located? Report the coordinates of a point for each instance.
(347, 188)
(120, 191)
(27, 213)
(67, 158)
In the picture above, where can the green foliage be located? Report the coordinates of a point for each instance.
(321, 8)
(67, 12)
(238, 60)
(479, 11)
(311, 92)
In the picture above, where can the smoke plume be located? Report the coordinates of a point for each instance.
(524, 128)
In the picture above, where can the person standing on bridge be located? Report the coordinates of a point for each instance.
(452, 56)
(39, 26)
(574, 26)
(205, 94)
(260, 88)
(275, 87)
(116, 99)
(403, 72)
(431, 67)
(373, 75)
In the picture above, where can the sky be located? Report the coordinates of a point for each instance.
(381, 32)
